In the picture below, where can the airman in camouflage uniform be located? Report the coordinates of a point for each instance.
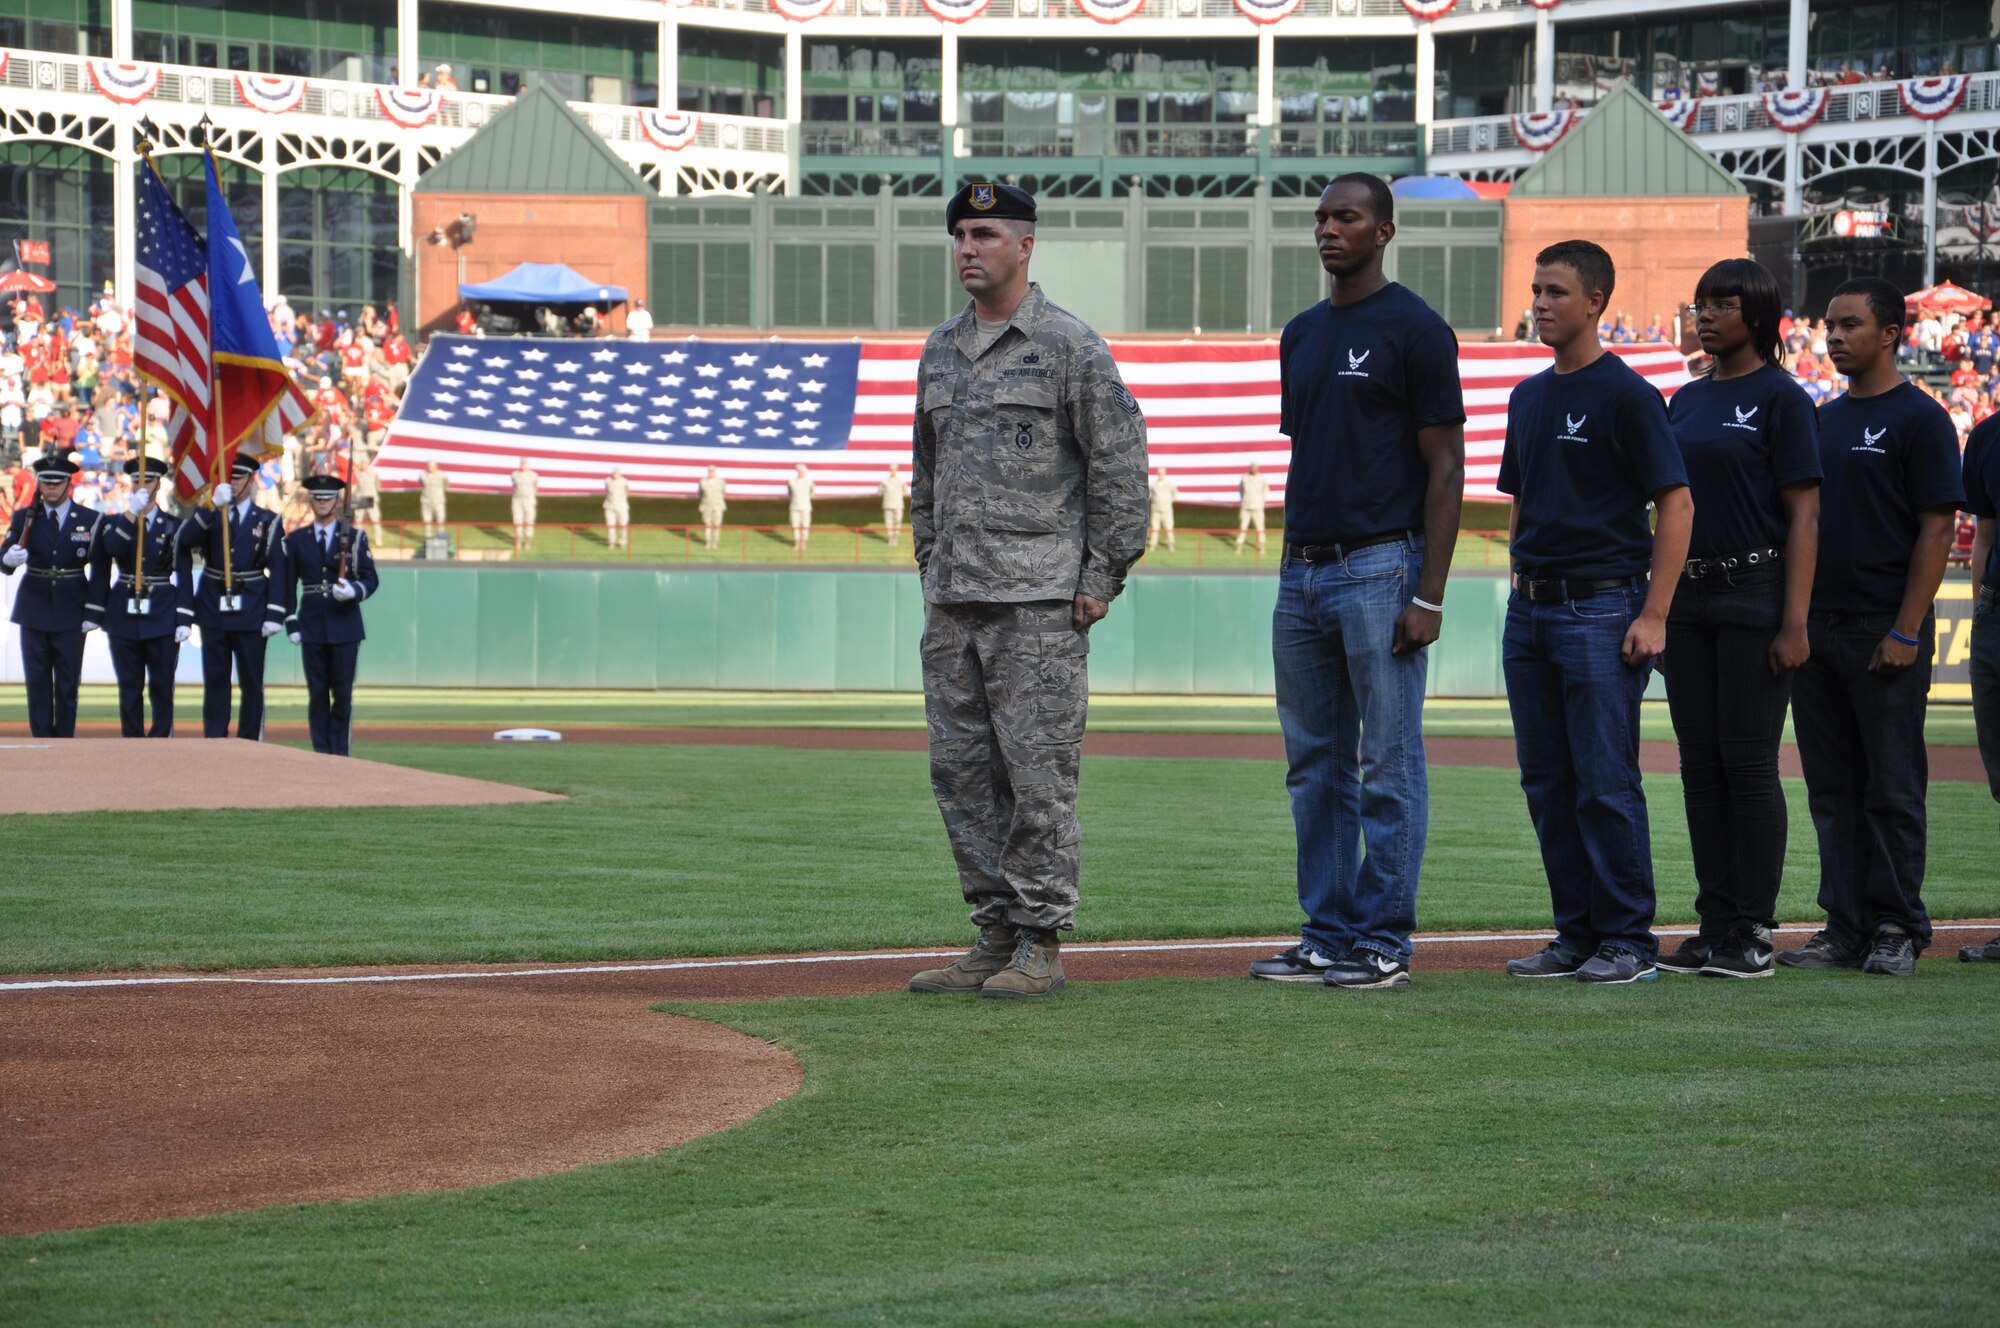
(1028, 505)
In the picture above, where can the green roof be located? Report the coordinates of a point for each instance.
(538, 145)
(1625, 149)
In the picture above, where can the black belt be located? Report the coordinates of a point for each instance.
(239, 576)
(1557, 591)
(322, 588)
(1333, 553)
(1697, 568)
(56, 573)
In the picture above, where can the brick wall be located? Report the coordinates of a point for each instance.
(602, 238)
(1661, 246)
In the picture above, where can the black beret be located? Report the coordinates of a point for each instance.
(984, 199)
(322, 484)
(53, 466)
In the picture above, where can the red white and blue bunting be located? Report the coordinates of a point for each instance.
(126, 84)
(1795, 109)
(1111, 11)
(1538, 131)
(672, 130)
(956, 11)
(802, 11)
(273, 94)
(412, 108)
(3, 64)
(1429, 9)
(1932, 98)
(1266, 11)
(1545, 4)
(1680, 114)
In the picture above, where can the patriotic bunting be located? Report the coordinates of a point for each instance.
(274, 94)
(956, 11)
(1680, 114)
(1545, 4)
(3, 64)
(1111, 11)
(802, 11)
(1266, 11)
(1429, 9)
(1538, 131)
(412, 108)
(1795, 109)
(672, 130)
(1932, 98)
(126, 84)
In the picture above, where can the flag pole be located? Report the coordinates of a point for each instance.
(218, 464)
(143, 142)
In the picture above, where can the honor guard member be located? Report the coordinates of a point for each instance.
(326, 625)
(50, 538)
(1160, 510)
(1027, 507)
(142, 621)
(712, 496)
(240, 612)
(618, 510)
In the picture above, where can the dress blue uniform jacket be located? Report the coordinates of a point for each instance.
(45, 603)
(109, 604)
(257, 556)
(319, 618)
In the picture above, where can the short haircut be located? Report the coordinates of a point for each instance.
(1884, 299)
(1751, 285)
(1380, 201)
(1589, 261)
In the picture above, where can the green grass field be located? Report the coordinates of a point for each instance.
(1817, 1149)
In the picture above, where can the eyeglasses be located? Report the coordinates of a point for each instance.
(1716, 309)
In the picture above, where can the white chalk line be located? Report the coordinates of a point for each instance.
(691, 965)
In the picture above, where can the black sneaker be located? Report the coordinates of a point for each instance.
(1894, 955)
(1297, 964)
(1365, 970)
(1988, 953)
(1822, 951)
(1554, 960)
(1687, 957)
(1740, 957)
(1614, 966)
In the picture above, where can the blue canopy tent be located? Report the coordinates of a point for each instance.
(543, 283)
(1432, 186)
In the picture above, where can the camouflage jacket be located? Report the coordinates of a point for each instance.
(1029, 480)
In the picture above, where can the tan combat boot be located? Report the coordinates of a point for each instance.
(1036, 970)
(988, 955)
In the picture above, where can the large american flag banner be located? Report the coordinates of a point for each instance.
(664, 411)
(170, 348)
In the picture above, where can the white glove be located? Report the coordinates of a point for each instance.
(223, 493)
(91, 626)
(181, 634)
(294, 638)
(270, 629)
(344, 591)
(15, 556)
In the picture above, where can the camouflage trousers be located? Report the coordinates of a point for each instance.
(1005, 691)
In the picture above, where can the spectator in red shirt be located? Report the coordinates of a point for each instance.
(467, 324)
(1964, 375)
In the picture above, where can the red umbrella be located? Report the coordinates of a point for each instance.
(1947, 298)
(20, 279)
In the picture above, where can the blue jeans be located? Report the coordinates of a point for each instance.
(1352, 715)
(1575, 705)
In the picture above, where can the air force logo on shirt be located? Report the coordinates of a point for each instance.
(1575, 425)
(1871, 441)
(1743, 419)
(1354, 363)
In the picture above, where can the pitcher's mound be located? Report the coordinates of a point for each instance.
(40, 775)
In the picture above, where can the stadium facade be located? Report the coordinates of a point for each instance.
(799, 148)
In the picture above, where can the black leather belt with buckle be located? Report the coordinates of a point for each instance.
(55, 573)
(1333, 553)
(1697, 568)
(1557, 591)
(320, 588)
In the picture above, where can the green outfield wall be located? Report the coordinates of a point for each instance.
(820, 631)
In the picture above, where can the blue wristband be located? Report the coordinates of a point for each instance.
(1906, 640)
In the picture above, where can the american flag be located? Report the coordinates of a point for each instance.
(171, 347)
(664, 411)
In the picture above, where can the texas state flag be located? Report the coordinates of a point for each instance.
(255, 400)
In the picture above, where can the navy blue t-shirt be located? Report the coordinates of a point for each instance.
(1356, 382)
(1742, 440)
(1982, 485)
(1585, 453)
(1888, 458)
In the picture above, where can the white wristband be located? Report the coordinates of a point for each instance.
(1426, 604)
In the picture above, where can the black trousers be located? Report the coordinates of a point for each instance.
(246, 651)
(1986, 691)
(53, 662)
(1729, 717)
(138, 663)
(1861, 742)
(330, 694)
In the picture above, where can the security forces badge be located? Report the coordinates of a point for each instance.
(981, 197)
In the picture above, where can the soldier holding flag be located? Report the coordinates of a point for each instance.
(141, 608)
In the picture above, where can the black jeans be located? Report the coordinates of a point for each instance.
(1729, 717)
(1986, 691)
(1861, 742)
